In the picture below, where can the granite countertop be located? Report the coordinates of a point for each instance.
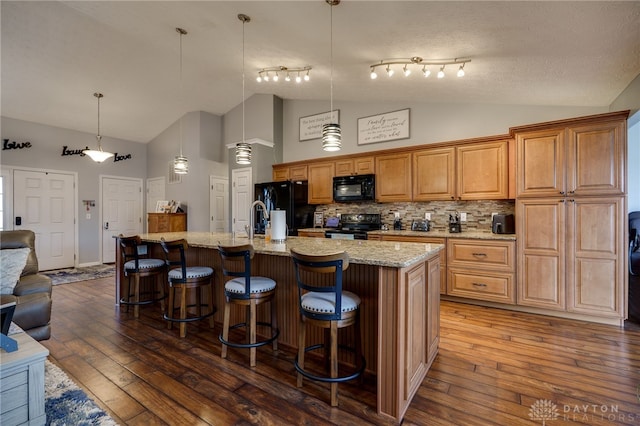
(380, 253)
(480, 235)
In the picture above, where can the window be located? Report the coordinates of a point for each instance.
(2, 192)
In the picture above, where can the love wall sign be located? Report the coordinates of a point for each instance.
(6, 145)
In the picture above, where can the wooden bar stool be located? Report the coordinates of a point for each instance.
(186, 278)
(246, 290)
(138, 266)
(324, 304)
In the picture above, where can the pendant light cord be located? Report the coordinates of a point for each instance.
(181, 89)
(98, 136)
(331, 59)
(243, 22)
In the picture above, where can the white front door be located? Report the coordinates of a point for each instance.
(44, 202)
(219, 204)
(121, 212)
(241, 198)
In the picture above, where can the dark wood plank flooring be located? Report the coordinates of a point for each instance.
(493, 365)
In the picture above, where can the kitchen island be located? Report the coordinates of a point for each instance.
(398, 284)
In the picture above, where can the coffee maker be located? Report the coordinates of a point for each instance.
(503, 224)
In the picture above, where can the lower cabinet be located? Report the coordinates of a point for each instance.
(482, 269)
(312, 234)
(166, 222)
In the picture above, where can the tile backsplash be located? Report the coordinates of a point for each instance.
(478, 212)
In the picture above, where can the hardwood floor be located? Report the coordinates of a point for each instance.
(492, 367)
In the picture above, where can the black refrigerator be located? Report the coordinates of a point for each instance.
(288, 196)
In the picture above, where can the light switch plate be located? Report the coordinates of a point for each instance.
(463, 217)
(396, 215)
(427, 216)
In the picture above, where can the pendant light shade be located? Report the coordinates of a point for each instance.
(243, 153)
(180, 163)
(243, 149)
(98, 155)
(331, 133)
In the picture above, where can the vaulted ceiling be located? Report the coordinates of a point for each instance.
(56, 54)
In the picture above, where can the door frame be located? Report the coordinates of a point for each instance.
(100, 197)
(76, 238)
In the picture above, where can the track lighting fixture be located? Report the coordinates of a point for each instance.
(263, 74)
(407, 63)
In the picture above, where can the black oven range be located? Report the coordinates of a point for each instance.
(355, 226)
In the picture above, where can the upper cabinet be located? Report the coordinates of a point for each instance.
(581, 159)
(475, 171)
(321, 182)
(355, 166)
(393, 177)
(282, 172)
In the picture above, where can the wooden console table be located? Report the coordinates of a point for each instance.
(22, 382)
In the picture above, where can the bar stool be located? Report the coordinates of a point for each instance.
(186, 278)
(329, 307)
(248, 291)
(137, 265)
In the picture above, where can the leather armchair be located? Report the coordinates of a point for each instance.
(32, 294)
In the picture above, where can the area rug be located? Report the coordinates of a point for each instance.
(72, 275)
(66, 404)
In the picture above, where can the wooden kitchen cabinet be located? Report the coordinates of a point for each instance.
(425, 240)
(283, 172)
(571, 254)
(475, 171)
(321, 182)
(581, 159)
(355, 166)
(393, 177)
(482, 269)
(434, 174)
(166, 222)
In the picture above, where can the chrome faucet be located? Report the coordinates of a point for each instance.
(250, 229)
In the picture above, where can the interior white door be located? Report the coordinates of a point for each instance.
(155, 193)
(44, 202)
(121, 212)
(219, 204)
(241, 198)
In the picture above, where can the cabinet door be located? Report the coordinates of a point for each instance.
(321, 182)
(540, 159)
(417, 327)
(364, 165)
(178, 222)
(393, 177)
(541, 253)
(434, 174)
(298, 173)
(280, 173)
(344, 167)
(433, 308)
(595, 256)
(595, 159)
(152, 222)
(482, 171)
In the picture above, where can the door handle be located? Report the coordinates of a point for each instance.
(106, 225)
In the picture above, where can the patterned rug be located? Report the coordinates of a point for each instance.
(72, 275)
(66, 404)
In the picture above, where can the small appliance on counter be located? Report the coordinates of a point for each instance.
(503, 224)
(333, 222)
(454, 223)
(420, 225)
(397, 224)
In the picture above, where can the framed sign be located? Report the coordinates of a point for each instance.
(311, 125)
(383, 127)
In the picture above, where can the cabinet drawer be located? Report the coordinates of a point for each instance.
(497, 255)
(495, 287)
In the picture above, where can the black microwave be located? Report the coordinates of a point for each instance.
(354, 188)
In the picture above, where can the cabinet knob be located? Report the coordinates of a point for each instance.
(561, 192)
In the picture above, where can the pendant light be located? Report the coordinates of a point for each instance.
(180, 163)
(243, 149)
(98, 155)
(331, 133)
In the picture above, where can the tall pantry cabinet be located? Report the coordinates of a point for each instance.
(571, 210)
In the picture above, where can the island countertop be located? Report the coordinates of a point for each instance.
(366, 252)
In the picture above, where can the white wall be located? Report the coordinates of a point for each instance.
(633, 153)
(46, 153)
(429, 123)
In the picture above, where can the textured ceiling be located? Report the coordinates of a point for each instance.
(55, 55)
